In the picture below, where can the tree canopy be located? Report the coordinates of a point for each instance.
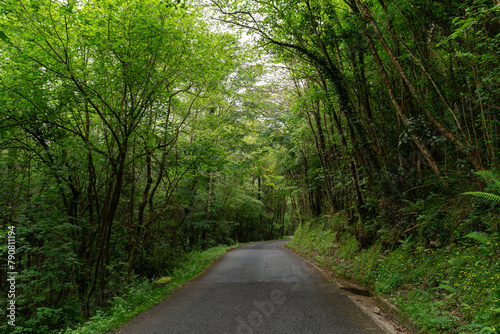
(135, 131)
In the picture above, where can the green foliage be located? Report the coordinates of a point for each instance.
(438, 288)
(163, 280)
(482, 237)
(110, 134)
(493, 181)
(350, 149)
(487, 196)
(142, 295)
(133, 132)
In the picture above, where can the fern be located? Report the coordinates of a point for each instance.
(482, 237)
(492, 178)
(448, 288)
(493, 181)
(488, 196)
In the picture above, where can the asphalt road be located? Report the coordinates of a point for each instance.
(256, 288)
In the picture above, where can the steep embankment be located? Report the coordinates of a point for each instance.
(452, 289)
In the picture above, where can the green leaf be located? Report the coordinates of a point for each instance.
(448, 288)
(488, 196)
(3, 36)
(163, 280)
(492, 178)
(482, 237)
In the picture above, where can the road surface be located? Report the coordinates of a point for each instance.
(258, 288)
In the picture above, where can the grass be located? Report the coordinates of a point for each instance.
(141, 296)
(452, 289)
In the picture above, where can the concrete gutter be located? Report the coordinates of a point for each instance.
(386, 314)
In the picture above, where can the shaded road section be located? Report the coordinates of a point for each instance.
(258, 288)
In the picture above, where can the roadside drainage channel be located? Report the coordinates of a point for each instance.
(354, 286)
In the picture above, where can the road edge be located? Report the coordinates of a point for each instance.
(385, 314)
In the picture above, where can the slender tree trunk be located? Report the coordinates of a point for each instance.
(463, 146)
(399, 110)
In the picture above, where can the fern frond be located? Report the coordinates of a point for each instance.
(488, 196)
(482, 237)
(491, 178)
(415, 205)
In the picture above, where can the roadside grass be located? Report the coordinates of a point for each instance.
(453, 289)
(141, 296)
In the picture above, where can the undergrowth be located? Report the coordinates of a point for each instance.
(443, 289)
(142, 295)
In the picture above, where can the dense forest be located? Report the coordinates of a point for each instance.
(133, 132)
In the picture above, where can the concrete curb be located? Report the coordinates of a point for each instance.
(399, 316)
(355, 286)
